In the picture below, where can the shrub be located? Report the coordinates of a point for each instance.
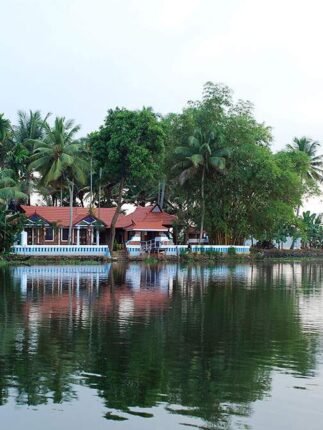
(151, 260)
(117, 246)
(232, 251)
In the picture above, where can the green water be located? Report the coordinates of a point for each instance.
(167, 347)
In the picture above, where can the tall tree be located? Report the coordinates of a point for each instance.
(29, 128)
(314, 173)
(129, 148)
(5, 140)
(310, 148)
(5, 128)
(59, 159)
(202, 156)
(259, 190)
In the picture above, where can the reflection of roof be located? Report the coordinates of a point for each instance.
(145, 218)
(61, 305)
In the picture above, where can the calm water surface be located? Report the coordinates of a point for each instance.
(161, 347)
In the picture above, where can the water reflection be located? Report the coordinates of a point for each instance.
(201, 343)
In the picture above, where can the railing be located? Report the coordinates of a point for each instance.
(220, 248)
(137, 250)
(62, 250)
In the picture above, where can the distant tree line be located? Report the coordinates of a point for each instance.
(211, 165)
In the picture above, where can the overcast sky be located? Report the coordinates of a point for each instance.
(77, 58)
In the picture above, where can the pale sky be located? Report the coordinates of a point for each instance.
(78, 58)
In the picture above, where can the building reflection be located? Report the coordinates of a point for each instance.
(207, 338)
(93, 279)
(77, 293)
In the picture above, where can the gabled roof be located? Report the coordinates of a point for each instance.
(148, 218)
(146, 226)
(61, 215)
(143, 218)
(37, 219)
(150, 215)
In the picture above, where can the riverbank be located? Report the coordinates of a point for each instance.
(13, 260)
(254, 256)
(188, 257)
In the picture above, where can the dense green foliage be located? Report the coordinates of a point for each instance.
(211, 165)
(11, 223)
(129, 148)
(10, 227)
(258, 190)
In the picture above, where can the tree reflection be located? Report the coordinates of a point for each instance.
(203, 340)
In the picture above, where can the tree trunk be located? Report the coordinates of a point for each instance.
(71, 191)
(28, 180)
(116, 216)
(297, 214)
(162, 193)
(203, 206)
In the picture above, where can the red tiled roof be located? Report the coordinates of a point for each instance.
(141, 219)
(146, 226)
(61, 215)
(145, 217)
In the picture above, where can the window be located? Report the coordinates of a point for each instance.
(64, 233)
(49, 233)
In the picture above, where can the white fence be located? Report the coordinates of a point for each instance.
(62, 250)
(136, 250)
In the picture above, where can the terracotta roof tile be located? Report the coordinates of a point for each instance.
(61, 215)
(146, 226)
(142, 217)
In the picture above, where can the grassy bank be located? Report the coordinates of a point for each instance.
(187, 257)
(31, 261)
(259, 255)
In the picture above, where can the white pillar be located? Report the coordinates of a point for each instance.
(78, 236)
(23, 239)
(91, 236)
(97, 236)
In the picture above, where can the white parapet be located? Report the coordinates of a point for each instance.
(62, 250)
(137, 250)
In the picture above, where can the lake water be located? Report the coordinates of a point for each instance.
(161, 347)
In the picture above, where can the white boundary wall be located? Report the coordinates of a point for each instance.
(175, 250)
(62, 250)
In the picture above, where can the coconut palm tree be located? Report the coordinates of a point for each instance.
(5, 128)
(59, 159)
(315, 171)
(202, 155)
(9, 188)
(310, 148)
(30, 127)
(5, 140)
